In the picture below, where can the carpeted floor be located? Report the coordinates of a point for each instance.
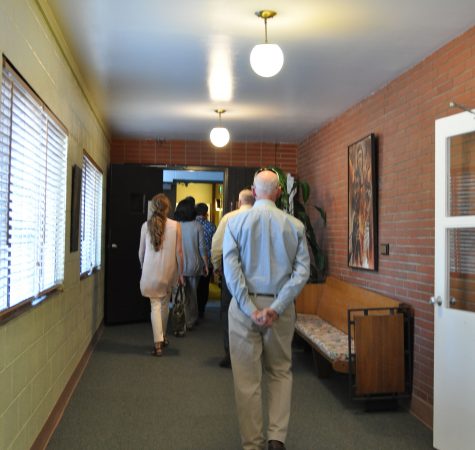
(184, 401)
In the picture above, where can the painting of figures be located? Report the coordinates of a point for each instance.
(362, 204)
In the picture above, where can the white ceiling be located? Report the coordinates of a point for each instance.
(147, 62)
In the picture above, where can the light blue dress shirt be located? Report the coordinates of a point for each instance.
(265, 252)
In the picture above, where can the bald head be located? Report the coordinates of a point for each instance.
(246, 197)
(266, 185)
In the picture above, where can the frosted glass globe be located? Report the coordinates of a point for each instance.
(267, 59)
(219, 136)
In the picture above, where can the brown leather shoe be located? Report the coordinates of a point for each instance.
(275, 445)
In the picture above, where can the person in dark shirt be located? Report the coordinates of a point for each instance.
(209, 229)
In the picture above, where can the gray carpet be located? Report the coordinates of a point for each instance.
(127, 399)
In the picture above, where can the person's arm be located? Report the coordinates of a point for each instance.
(234, 274)
(202, 248)
(217, 245)
(300, 273)
(179, 253)
(143, 233)
(209, 243)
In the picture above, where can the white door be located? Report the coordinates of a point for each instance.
(454, 281)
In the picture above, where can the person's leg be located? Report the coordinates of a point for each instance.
(246, 348)
(200, 296)
(225, 301)
(202, 293)
(164, 314)
(157, 324)
(278, 373)
(191, 305)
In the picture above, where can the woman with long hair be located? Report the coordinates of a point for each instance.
(161, 258)
(194, 256)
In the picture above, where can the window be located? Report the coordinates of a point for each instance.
(461, 201)
(91, 216)
(33, 148)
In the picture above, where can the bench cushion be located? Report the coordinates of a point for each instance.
(332, 342)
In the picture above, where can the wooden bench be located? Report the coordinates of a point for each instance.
(351, 327)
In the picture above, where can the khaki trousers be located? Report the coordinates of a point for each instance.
(256, 351)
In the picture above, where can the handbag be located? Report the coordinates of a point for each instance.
(178, 312)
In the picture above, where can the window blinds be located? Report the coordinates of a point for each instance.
(91, 216)
(33, 148)
(462, 241)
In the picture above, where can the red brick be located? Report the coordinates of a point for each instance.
(163, 153)
(117, 152)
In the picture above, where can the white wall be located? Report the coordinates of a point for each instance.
(40, 349)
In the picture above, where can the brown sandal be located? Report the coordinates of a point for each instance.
(158, 350)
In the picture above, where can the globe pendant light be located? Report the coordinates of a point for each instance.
(219, 135)
(266, 59)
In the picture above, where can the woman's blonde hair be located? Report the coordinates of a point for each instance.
(156, 223)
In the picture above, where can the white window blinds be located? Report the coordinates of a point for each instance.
(91, 216)
(461, 200)
(33, 148)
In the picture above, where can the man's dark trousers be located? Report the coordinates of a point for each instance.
(226, 298)
(202, 293)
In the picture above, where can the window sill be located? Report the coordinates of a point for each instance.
(90, 273)
(10, 313)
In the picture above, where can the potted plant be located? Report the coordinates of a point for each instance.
(293, 199)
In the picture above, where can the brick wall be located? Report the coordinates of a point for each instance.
(402, 116)
(202, 153)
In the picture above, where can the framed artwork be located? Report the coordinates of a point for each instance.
(362, 204)
(75, 208)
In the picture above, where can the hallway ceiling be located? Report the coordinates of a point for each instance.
(148, 62)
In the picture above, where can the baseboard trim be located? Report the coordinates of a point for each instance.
(56, 414)
(422, 411)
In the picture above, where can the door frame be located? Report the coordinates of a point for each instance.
(451, 371)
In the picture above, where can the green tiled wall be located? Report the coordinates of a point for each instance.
(40, 349)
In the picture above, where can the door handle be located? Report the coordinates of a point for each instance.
(435, 300)
(114, 246)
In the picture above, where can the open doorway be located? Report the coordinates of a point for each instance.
(205, 187)
(209, 193)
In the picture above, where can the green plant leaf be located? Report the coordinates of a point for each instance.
(318, 265)
(305, 190)
(323, 214)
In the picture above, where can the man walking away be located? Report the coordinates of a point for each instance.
(266, 264)
(246, 200)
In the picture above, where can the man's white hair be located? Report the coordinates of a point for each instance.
(266, 185)
(246, 197)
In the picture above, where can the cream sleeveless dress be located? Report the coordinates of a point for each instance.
(159, 269)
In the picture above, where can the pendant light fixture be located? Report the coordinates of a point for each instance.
(266, 59)
(219, 135)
